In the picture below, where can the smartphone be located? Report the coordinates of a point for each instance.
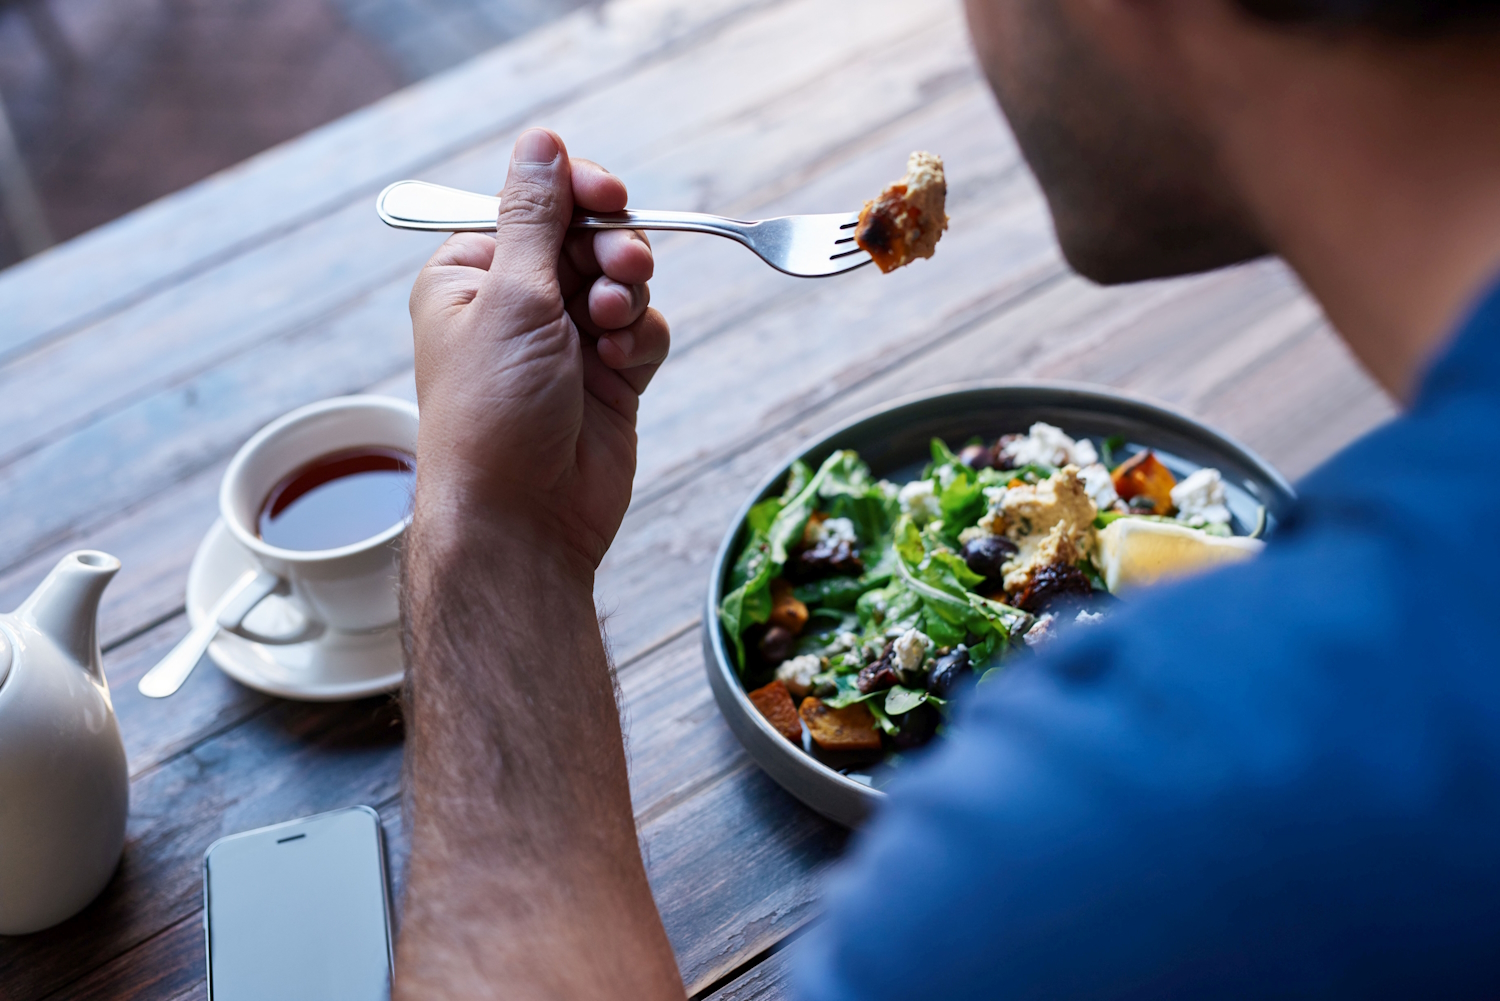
(299, 910)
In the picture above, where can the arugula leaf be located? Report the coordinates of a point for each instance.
(847, 693)
(832, 592)
(786, 530)
(900, 699)
(750, 601)
(959, 491)
(762, 515)
(849, 491)
(1107, 449)
(796, 480)
(881, 719)
(1005, 620)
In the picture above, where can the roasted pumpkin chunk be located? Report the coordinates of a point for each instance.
(775, 704)
(1145, 484)
(786, 611)
(851, 728)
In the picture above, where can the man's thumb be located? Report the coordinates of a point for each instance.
(535, 210)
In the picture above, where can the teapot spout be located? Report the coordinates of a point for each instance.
(65, 608)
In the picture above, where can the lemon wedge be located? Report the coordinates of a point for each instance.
(1135, 552)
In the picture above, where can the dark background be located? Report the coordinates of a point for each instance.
(114, 103)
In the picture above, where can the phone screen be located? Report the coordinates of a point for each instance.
(299, 910)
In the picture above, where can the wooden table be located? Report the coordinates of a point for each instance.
(135, 360)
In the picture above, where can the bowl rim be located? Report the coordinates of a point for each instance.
(721, 670)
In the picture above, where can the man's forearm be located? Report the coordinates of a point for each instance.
(525, 876)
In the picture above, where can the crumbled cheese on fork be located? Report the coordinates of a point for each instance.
(907, 219)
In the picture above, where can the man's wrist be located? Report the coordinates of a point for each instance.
(463, 529)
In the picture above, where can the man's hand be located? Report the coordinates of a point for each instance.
(525, 878)
(532, 349)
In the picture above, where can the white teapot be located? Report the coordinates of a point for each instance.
(64, 788)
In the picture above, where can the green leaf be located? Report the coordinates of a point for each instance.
(1109, 447)
(749, 600)
(762, 515)
(832, 592)
(901, 699)
(946, 569)
(786, 531)
(906, 539)
(881, 719)
(1103, 518)
(1092, 574)
(847, 694)
(796, 480)
(1007, 621)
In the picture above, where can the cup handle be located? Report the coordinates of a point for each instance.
(232, 618)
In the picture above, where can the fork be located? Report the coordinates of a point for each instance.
(804, 246)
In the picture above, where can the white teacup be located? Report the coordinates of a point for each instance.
(350, 588)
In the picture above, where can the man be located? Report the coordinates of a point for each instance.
(1282, 780)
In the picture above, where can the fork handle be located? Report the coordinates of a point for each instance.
(435, 208)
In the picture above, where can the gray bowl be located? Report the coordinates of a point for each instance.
(894, 441)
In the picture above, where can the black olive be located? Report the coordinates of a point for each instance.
(1003, 445)
(1056, 587)
(947, 670)
(976, 457)
(917, 727)
(824, 560)
(879, 673)
(777, 645)
(987, 554)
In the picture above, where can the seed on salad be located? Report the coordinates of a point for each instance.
(987, 554)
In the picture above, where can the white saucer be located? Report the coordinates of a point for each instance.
(331, 668)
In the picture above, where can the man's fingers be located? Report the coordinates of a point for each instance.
(613, 306)
(536, 206)
(467, 250)
(452, 276)
(625, 255)
(638, 350)
(609, 387)
(595, 188)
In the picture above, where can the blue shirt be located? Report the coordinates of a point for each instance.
(1279, 780)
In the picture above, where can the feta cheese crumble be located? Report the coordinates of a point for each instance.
(919, 499)
(1199, 499)
(910, 649)
(797, 674)
(1088, 618)
(834, 531)
(1049, 446)
(1099, 485)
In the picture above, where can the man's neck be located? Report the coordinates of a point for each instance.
(1373, 168)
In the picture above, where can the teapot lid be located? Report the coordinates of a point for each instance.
(5, 656)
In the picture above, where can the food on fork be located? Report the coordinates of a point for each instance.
(905, 221)
(871, 606)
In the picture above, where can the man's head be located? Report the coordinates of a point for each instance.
(1120, 108)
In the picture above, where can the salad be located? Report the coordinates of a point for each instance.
(859, 609)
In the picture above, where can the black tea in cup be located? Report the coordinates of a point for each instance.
(339, 499)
